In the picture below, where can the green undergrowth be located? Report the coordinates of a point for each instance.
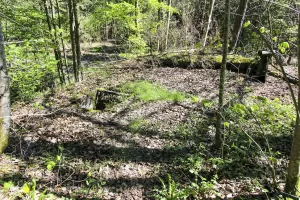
(147, 91)
(30, 71)
(259, 120)
(253, 136)
(62, 168)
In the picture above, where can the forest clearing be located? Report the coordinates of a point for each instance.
(149, 99)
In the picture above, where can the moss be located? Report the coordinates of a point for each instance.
(240, 59)
(231, 58)
(146, 91)
(185, 60)
(3, 138)
(217, 58)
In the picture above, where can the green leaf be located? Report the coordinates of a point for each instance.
(7, 185)
(262, 30)
(206, 103)
(194, 99)
(226, 124)
(281, 49)
(246, 24)
(273, 160)
(285, 45)
(50, 165)
(26, 188)
(58, 158)
(275, 39)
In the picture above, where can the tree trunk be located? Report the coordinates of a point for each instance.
(218, 139)
(168, 26)
(72, 39)
(77, 39)
(136, 16)
(159, 18)
(293, 173)
(4, 98)
(62, 41)
(56, 52)
(212, 5)
(239, 20)
(57, 48)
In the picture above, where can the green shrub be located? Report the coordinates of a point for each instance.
(30, 70)
(261, 119)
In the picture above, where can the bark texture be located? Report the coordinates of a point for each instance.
(293, 176)
(239, 20)
(168, 26)
(212, 5)
(4, 98)
(77, 39)
(72, 40)
(218, 141)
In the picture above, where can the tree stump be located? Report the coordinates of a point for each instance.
(105, 97)
(262, 68)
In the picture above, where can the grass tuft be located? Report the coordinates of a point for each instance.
(146, 91)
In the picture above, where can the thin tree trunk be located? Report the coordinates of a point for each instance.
(209, 21)
(57, 48)
(56, 54)
(62, 41)
(77, 39)
(4, 97)
(136, 16)
(168, 26)
(159, 18)
(239, 20)
(72, 39)
(203, 18)
(219, 136)
(293, 173)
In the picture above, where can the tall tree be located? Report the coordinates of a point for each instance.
(52, 26)
(62, 40)
(218, 140)
(168, 25)
(238, 23)
(293, 176)
(4, 97)
(72, 39)
(77, 38)
(212, 5)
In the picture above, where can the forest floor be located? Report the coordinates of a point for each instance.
(123, 151)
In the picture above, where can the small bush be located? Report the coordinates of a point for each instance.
(260, 118)
(30, 70)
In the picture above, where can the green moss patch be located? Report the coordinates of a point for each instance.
(231, 58)
(147, 91)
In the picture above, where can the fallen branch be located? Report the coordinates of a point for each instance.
(31, 115)
(290, 78)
